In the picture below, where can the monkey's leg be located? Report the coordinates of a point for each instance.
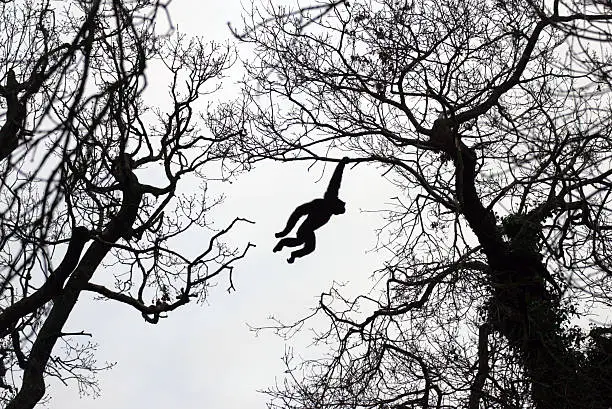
(293, 219)
(287, 242)
(309, 246)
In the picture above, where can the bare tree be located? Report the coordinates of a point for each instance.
(90, 193)
(493, 118)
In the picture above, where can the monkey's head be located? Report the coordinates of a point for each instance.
(338, 207)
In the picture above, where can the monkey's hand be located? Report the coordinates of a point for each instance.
(280, 234)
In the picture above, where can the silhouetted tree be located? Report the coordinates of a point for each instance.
(494, 119)
(90, 177)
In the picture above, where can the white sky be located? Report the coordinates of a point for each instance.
(205, 356)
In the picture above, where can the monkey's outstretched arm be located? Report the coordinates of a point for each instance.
(334, 183)
(293, 219)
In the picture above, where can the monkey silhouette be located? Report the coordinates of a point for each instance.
(317, 212)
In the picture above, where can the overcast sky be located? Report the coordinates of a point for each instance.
(204, 356)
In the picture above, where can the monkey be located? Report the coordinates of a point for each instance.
(317, 212)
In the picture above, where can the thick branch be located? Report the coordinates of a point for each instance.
(33, 385)
(483, 367)
(512, 81)
(51, 287)
(146, 310)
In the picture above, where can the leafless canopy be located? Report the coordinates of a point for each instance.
(494, 118)
(90, 177)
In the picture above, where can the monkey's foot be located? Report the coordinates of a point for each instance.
(276, 248)
(278, 235)
(290, 260)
